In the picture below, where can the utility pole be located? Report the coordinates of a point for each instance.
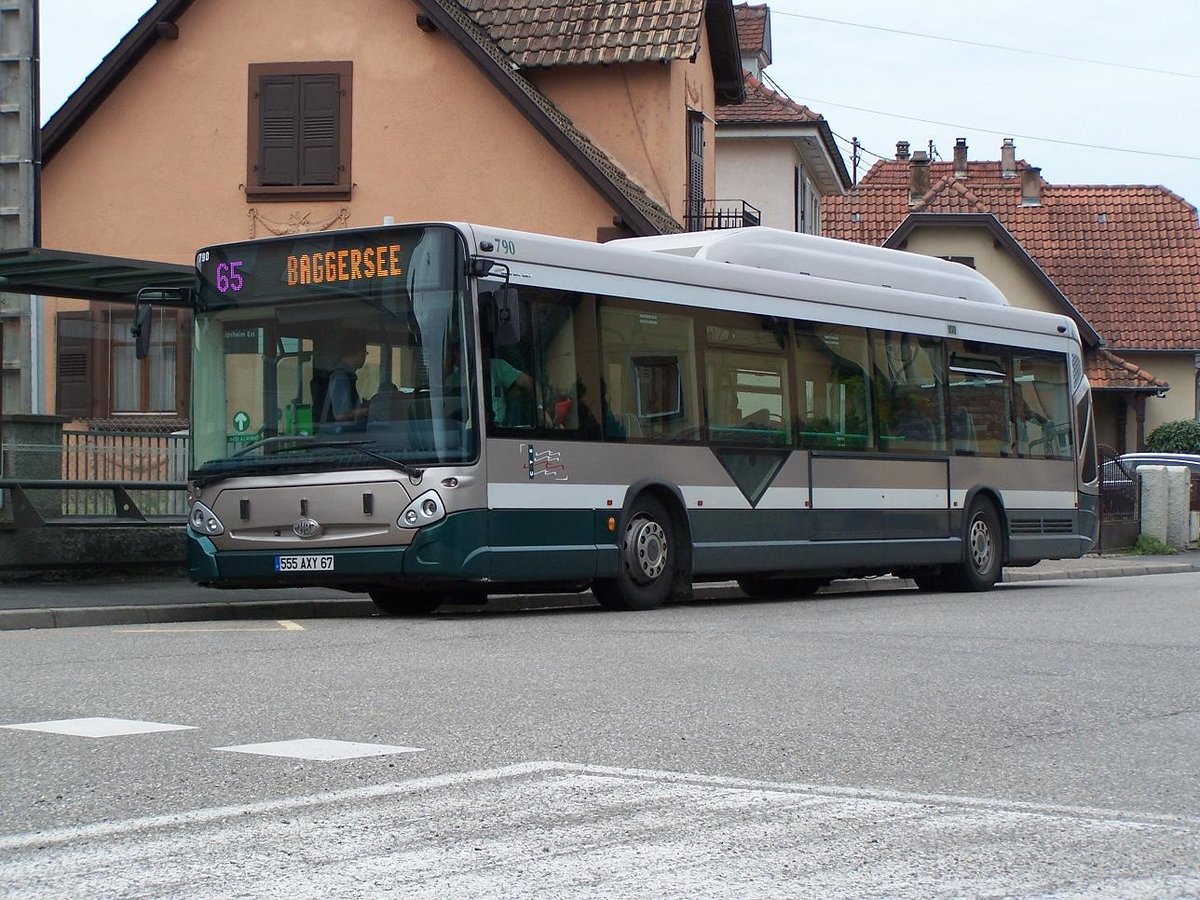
(20, 163)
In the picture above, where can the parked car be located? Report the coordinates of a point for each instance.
(1189, 461)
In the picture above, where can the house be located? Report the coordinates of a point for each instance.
(1122, 260)
(214, 120)
(776, 158)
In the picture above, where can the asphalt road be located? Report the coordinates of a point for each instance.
(1042, 739)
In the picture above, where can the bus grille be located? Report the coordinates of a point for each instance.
(1043, 525)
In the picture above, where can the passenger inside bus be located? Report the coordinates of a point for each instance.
(341, 404)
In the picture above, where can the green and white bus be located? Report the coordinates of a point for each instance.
(530, 413)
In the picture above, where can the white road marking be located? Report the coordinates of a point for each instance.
(281, 625)
(98, 726)
(550, 829)
(316, 748)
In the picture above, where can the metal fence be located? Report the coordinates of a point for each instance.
(1120, 515)
(130, 458)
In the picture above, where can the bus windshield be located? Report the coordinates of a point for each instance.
(343, 349)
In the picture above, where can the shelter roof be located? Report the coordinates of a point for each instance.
(86, 276)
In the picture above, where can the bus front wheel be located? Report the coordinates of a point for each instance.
(647, 561)
(983, 552)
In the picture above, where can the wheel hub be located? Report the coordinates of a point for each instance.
(645, 550)
(982, 547)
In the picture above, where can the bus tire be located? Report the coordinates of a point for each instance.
(647, 561)
(406, 603)
(780, 588)
(983, 551)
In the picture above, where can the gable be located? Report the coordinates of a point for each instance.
(1126, 257)
(633, 206)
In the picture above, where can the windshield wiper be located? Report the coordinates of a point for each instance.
(410, 470)
(275, 441)
(304, 441)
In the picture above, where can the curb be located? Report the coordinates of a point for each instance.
(356, 607)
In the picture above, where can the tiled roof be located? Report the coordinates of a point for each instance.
(764, 106)
(571, 32)
(1106, 370)
(751, 26)
(1126, 256)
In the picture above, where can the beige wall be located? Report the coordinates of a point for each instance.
(638, 114)
(159, 169)
(991, 261)
(1178, 370)
(761, 172)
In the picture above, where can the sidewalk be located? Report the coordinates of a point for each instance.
(146, 601)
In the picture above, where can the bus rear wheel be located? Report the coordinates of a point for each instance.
(647, 560)
(780, 588)
(983, 552)
(406, 603)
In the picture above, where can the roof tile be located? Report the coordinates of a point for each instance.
(539, 33)
(764, 106)
(1126, 256)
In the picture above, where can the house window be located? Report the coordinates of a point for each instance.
(99, 374)
(142, 385)
(299, 131)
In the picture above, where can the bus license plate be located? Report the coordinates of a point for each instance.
(304, 564)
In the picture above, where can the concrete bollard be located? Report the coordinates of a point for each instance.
(1154, 489)
(1165, 503)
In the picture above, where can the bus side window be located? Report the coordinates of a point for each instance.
(1042, 405)
(980, 399)
(834, 390)
(545, 381)
(648, 364)
(909, 399)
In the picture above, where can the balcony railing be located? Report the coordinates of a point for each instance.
(717, 214)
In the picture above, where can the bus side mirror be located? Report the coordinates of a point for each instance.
(508, 317)
(141, 329)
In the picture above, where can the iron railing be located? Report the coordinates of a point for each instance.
(715, 215)
(122, 475)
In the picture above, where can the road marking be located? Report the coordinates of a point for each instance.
(318, 749)
(280, 625)
(554, 829)
(98, 727)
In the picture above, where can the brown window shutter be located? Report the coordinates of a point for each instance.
(319, 103)
(280, 124)
(74, 364)
(695, 174)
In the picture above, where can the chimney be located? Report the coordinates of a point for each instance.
(901, 150)
(1031, 186)
(1008, 159)
(960, 158)
(918, 177)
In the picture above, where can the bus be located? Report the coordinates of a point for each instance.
(524, 413)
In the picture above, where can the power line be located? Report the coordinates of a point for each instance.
(1012, 134)
(951, 40)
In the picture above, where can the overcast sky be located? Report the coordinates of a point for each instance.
(1105, 92)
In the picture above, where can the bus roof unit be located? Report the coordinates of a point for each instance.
(806, 254)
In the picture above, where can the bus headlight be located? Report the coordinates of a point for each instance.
(204, 521)
(424, 510)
